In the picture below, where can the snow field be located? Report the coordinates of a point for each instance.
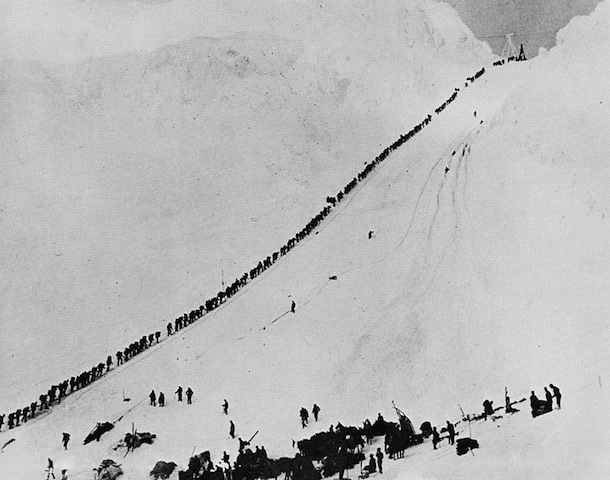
(493, 274)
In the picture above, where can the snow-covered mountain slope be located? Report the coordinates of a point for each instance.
(135, 182)
(490, 274)
(429, 313)
(62, 30)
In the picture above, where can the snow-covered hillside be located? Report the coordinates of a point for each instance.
(487, 268)
(134, 183)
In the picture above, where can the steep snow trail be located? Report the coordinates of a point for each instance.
(417, 314)
(267, 361)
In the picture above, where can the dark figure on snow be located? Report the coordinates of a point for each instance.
(1, 420)
(293, 306)
(64, 474)
(243, 444)
(161, 399)
(50, 469)
(108, 363)
(379, 456)
(549, 399)
(304, 416)
(557, 394)
(157, 336)
(225, 458)
(446, 170)
(225, 407)
(169, 329)
(179, 393)
(315, 410)
(372, 466)
(189, 396)
(534, 403)
(232, 429)
(153, 398)
(367, 427)
(509, 406)
(65, 439)
(370, 234)
(488, 408)
(451, 432)
(436, 438)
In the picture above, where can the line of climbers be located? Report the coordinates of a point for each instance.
(77, 382)
(56, 392)
(520, 58)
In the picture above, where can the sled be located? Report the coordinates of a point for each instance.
(543, 408)
(98, 431)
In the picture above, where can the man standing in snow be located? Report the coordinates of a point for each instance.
(161, 399)
(451, 432)
(315, 410)
(488, 408)
(293, 306)
(549, 400)
(179, 393)
(65, 439)
(50, 469)
(436, 438)
(225, 407)
(304, 416)
(534, 403)
(242, 445)
(189, 396)
(557, 394)
(231, 429)
(153, 398)
(25, 413)
(379, 456)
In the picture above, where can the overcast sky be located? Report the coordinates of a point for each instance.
(534, 22)
(63, 30)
